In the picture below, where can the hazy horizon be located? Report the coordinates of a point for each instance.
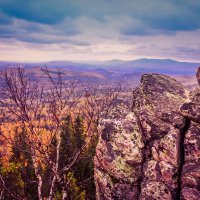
(97, 61)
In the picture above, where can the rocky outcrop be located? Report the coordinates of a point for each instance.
(156, 103)
(152, 151)
(191, 169)
(119, 156)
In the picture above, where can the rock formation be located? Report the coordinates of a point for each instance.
(191, 169)
(152, 151)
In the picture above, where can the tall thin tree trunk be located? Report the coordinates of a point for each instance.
(37, 174)
(51, 193)
(39, 187)
(64, 196)
(3, 185)
(65, 187)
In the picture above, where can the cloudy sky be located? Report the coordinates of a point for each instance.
(43, 30)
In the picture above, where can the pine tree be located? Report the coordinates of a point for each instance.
(21, 156)
(72, 139)
(67, 141)
(79, 132)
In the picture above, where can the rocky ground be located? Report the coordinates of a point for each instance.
(152, 151)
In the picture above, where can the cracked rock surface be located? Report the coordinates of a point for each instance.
(153, 150)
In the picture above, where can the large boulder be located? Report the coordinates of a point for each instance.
(161, 93)
(163, 96)
(119, 155)
(156, 101)
(152, 151)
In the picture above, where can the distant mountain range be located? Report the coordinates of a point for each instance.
(165, 66)
(114, 69)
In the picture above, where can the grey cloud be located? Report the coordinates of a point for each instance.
(87, 22)
(38, 33)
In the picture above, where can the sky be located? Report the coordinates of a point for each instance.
(81, 30)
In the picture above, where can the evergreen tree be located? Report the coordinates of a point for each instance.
(21, 155)
(72, 139)
(79, 132)
(18, 173)
(67, 141)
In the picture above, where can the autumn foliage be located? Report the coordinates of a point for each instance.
(48, 135)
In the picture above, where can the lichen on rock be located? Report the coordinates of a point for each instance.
(153, 150)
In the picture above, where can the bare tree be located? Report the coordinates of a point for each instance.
(36, 107)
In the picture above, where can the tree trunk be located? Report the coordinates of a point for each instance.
(51, 193)
(64, 196)
(39, 187)
(37, 174)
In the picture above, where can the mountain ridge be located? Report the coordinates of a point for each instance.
(114, 69)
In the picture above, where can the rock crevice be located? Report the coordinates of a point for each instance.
(182, 155)
(153, 150)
